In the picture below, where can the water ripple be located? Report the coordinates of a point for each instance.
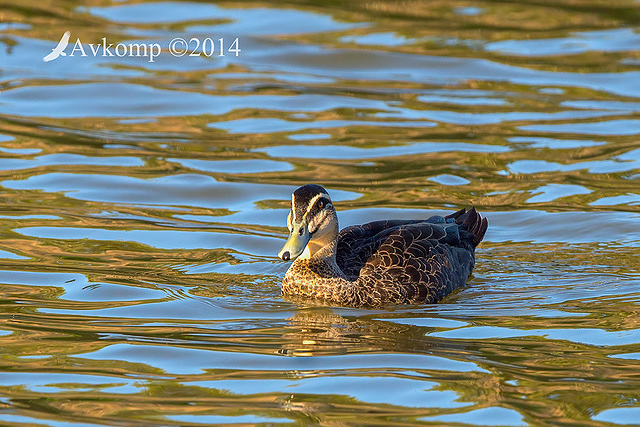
(143, 205)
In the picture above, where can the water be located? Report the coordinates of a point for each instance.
(143, 205)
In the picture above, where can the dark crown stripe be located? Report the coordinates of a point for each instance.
(301, 198)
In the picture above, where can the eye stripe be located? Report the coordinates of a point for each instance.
(315, 209)
(311, 208)
(323, 202)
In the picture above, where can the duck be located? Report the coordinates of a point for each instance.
(385, 262)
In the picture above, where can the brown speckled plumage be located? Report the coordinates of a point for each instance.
(386, 262)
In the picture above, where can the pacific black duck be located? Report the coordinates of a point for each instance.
(382, 262)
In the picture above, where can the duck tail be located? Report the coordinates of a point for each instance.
(471, 221)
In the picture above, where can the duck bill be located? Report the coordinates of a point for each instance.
(296, 243)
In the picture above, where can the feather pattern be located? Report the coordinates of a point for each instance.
(391, 262)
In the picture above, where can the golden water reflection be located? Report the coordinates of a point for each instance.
(143, 204)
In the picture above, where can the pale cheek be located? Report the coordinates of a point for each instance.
(316, 224)
(321, 223)
(306, 254)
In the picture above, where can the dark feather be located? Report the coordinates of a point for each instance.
(410, 261)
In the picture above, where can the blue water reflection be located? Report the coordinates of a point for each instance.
(144, 203)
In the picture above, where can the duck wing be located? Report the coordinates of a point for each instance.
(410, 261)
(357, 243)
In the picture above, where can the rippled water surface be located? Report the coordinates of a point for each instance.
(142, 206)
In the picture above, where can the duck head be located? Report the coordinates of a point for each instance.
(312, 223)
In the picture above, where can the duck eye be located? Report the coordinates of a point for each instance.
(320, 204)
(301, 231)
